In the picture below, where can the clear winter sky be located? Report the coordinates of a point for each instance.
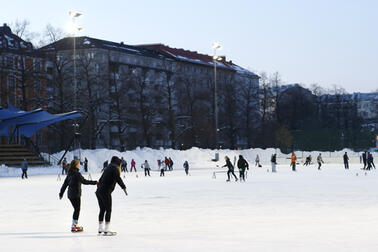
(329, 42)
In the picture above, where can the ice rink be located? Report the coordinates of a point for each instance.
(310, 210)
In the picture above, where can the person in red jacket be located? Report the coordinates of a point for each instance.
(166, 162)
(132, 165)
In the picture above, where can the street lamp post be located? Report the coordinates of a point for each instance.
(74, 29)
(216, 46)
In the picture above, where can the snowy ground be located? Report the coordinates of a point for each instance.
(310, 210)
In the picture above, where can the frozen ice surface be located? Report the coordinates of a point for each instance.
(308, 210)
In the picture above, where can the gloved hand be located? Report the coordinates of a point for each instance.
(125, 191)
(60, 196)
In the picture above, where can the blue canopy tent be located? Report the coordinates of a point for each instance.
(27, 123)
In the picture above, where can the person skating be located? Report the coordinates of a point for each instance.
(308, 160)
(230, 169)
(369, 160)
(293, 159)
(64, 166)
(372, 160)
(85, 164)
(186, 167)
(133, 165)
(166, 163)
(73, 181)
(242, 165)
(319, 159)
(162, 169)
(346, 160)
(105, 187)
(364, 159)
(123, 165)
(273, 160)
(147, 168)
(257, 161)
(170, 164)
(24, 168)
(159, 164)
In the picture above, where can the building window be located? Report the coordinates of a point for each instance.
(12, 94)
(37, 66)
(9, 61)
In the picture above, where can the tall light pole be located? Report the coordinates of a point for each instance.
(216, 46)
(74, 29)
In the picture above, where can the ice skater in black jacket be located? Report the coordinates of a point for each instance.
(74, 180)
(105, 187)
(230, 169)
(242, 165)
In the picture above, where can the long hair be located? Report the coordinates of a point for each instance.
(73, 165)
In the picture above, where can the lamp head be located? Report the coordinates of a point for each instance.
(216, 46)
(74, 14)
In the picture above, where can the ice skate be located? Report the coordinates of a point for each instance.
(107, 231)
(75, 228)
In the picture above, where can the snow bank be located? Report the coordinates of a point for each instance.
(197, 158)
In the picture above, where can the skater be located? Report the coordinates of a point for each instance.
(166, 163)
(85, 164)
(372, 160)
(123, 165)
(319, 159)
(273, 160)
(230, 169)
(293, 160)
(242, 165)
(364, 158)
(74, 180)
(308, 160)
(105, 187)
(159, 164)
(146, 168)
(257, 161)
(132, 165)
(24, 168)
(346, 159)
(186, 167)
(64, 166)
(170, 164)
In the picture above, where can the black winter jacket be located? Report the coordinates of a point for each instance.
(74, 180)
(229, 165)
(242, 164)
(109, 178)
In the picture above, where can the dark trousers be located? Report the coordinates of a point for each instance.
(346, 164)
(364, 160)
(231, 172)
(368, 165)
(76, 202)
(105, 203)
(187, 171)
(293, 166)
(320, 164)
(24, 174)
(242, 175)
(161, 172)
(146, 172)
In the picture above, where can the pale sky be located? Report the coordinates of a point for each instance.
(332, 42)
